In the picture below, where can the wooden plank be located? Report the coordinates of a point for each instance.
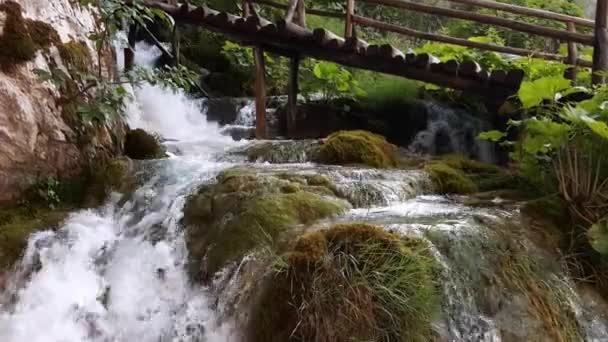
(292, 95)
(572, 54)
(321, 13)
(532, 12)
(488, 19)
(600, 50)
(462, 42)
(348, 25)
(260, 93)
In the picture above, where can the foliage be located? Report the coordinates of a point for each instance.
(46, 192)
(385, 91)
(349, 282)
(242, 58)
(332, 81)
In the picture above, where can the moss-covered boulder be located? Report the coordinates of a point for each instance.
(115, 176)
(358, 147)
(352, 282)
(245, 210)
(21, 38)
(459, 175)
(140, 144)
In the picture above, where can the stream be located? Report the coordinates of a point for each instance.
(117, 273)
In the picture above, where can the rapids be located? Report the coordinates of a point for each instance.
(116, 273)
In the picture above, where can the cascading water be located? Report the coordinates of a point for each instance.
(117, 273)
(452, 130)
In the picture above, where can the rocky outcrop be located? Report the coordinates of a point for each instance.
(37, 139)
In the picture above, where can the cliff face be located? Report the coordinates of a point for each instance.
(37, 138)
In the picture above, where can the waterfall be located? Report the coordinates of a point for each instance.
(452, 130)
(117, 273)
(104, 276)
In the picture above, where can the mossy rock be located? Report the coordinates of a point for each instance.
(460, 175)
(140, 145)
(21, 38)
(75, 55)
(352, 282)
(448, 180)
(18, 223)
(245, 210)
(115, 176)
(358, 147)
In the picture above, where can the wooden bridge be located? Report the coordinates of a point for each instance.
(291, 38)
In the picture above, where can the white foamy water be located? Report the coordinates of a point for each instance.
(117, 273)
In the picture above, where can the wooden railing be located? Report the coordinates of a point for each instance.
(571, 36)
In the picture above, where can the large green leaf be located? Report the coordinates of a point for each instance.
(533, 93)
(492, 135)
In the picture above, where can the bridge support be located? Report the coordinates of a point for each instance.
(600, 48)
(292, 95)
(260, 93)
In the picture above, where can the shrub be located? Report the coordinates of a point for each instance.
(358, 147)
(351, 282)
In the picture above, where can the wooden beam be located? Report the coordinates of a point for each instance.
(292, 95)
(462, 42)
(322, 13)
(260, 93)
(348, 25)
(488, 19)
(532, 12)
(600, 50)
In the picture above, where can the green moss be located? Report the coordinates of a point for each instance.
(448, 180)
(115, 176)
(139, 144)
(18, 223)
(358, 147)
(353, 282)
(43, 34)
(245, 210)
(457, 174)
(550, 208)
(21, 38)
(75, 55)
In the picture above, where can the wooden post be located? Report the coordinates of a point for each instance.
(350, 11)
(301, 10)
(292, 95)
(246, 12)
(600, 46)
(572, 54)
(260, 93)
(130, 49)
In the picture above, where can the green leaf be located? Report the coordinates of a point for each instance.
(533, 93)
(494, 135)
